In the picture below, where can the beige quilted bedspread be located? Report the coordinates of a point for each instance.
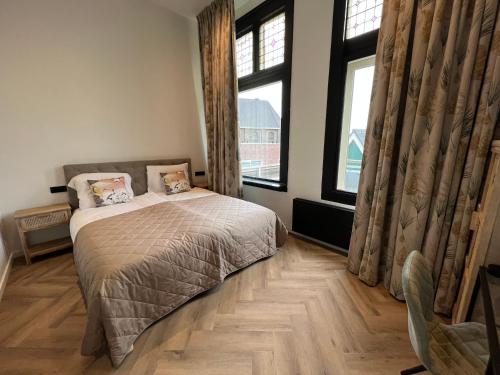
(139, 266)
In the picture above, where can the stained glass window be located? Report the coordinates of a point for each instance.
(272, 42)
(244, 55)
(363, 16)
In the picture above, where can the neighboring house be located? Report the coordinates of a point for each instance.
(259, 122)
(354, 157)
(260, 134)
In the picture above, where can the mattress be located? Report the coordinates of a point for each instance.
(80, 218)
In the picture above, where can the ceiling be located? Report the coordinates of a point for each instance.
(188, 8)
(191, 8)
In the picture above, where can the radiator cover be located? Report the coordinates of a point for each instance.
(323, 222)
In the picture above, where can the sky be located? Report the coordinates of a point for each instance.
(271, 93)
(361, 97)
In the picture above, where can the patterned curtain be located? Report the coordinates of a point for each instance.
(435, 103)
(217, 46)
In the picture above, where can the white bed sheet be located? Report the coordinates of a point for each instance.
(81, 218)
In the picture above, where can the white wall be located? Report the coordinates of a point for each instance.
(244, 6)
(89, 81)
(5, 262)
(310, 66)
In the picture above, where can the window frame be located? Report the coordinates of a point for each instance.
(342, 52)
(251, 22)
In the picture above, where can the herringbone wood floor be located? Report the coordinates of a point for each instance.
(299, 312)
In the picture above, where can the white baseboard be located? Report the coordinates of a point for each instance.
(17, 254)
(5, 274)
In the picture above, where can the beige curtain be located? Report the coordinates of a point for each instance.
(435, 103)
(217, 46)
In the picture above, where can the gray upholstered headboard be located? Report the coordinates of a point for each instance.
(136, 169)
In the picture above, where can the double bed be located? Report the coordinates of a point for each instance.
(140, 260)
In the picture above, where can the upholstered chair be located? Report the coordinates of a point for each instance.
(442, 349)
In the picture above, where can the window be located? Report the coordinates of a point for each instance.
(272, 42)
(271, 136)
(244, 55)
(352, 66)
(260, 110)
(363, 16)
(354, 120)
(263, 58)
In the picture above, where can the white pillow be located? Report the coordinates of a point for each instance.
(81, 185)
(155, 184)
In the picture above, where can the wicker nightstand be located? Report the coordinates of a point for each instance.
(34, 219)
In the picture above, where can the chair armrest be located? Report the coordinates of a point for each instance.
(491, 330)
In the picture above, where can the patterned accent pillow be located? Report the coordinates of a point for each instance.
(175, 182)
(109, 191)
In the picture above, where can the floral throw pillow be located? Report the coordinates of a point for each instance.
(109, 191)
(175, 182)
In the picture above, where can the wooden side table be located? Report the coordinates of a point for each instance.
(39, 218)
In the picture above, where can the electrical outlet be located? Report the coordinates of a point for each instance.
(58, 189)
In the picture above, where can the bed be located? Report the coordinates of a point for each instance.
(140, 260)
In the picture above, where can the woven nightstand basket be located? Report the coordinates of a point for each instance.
(43, 221)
